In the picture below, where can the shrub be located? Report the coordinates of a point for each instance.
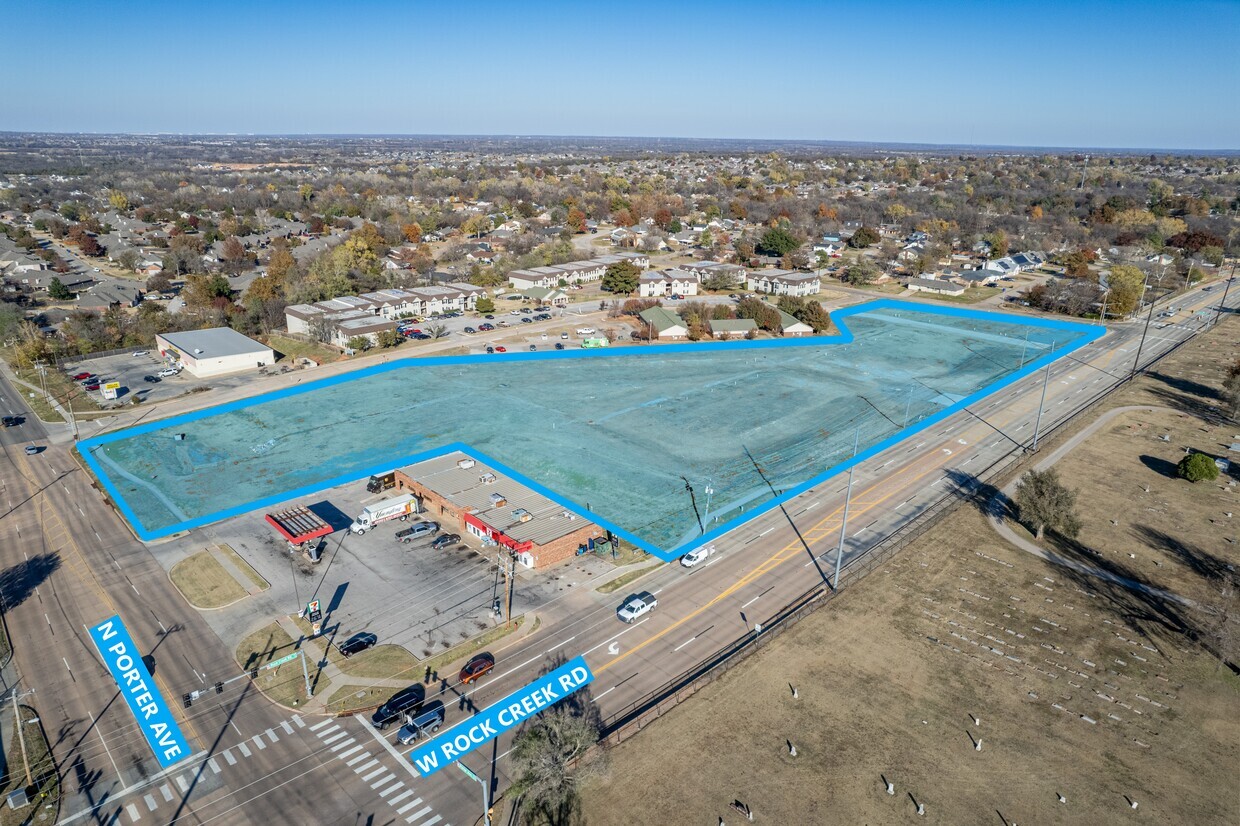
(1196, 467)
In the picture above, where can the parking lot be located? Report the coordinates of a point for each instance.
(130, 369)
(413, 595)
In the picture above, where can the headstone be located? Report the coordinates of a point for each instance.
(891, 787)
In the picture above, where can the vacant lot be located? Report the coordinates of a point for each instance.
(1079, 688)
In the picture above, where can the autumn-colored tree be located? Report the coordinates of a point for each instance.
(826, 213)
(281, 264)
(85, 242)
(1035, 213)
(233, 254)
(306, 192)
(412, 232)
(476, 224)
(118, 200)
(663, 218)
(623, 217)
(737, 211)
(575, 220)
(1125, 283)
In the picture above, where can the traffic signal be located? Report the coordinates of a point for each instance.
(254, 673)
(219, 688)
(187, 700)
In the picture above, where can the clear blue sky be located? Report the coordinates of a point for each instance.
(1082, 73)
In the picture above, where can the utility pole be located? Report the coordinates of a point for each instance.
(1218, 312)
(507, 564)
(1148, 318)
(305, 672)
(839, 551)
(1037, 424)
(21, 729)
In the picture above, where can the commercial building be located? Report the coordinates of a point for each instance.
(665, 325)
(467, 497)
(214, 352)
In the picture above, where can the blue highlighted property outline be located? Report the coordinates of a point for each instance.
(1085, 334)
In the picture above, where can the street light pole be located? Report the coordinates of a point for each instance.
(839, 551)
(1140, 346)
(1219, 311)
(1037, 425)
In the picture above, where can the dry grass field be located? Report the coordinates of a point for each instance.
(1080, 688)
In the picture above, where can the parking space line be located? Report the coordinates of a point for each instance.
(150, 802)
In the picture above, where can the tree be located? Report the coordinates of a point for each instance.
(57, 291)
(118, 200)
(476, 224)
(437, 331)
(766, 316)
(1125, 283)
(1197, 467)
(575, 220)
(281, 264)
(861, 271)
(412, 232)
(129, 260)
(201, 291)
(864, 237)
(485, 305)
(1043, 502)
(815, 316)
(547, 759)
(389, 338)
(358, 343)
(621, 277)
(233, 255)
(777, 241)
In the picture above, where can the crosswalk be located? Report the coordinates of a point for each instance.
(374, 771)
(158, 802)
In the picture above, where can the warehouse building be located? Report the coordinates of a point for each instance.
(214, 352)
(464, 496)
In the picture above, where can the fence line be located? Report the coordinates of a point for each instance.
(649, 707)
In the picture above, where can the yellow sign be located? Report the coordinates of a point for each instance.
(109, 389)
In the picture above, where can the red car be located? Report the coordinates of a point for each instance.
(501, 349)
(93, 384)
(83, 376)
(477, 668)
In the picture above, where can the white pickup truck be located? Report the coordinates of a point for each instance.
(585, 331)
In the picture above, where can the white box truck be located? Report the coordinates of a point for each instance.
(398, 507)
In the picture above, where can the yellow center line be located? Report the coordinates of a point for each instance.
(790, 551)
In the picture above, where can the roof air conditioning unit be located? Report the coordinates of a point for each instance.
(466, 464)
(498, 500)
(487, 478)
(522, 515)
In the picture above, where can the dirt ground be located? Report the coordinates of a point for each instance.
(1083, 689)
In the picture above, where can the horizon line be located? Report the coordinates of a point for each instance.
(824, 142)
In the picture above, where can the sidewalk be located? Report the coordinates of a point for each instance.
(1002, 500)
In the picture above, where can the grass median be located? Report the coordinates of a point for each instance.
(284, 684)
(624, 579)
(204, 583)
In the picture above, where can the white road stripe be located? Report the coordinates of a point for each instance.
(345, 754)
(298, 721)
(416, 816)
(335, 737)
(271, 735)
(400, 797)
(133, 812)
(319, 724)
(232, 761)
(345, 744)
(363, 756)
(368, 777)
(408, 806)
(166, 791)
(183, 783)
(383, 781)
(328, 731)
(284, 725)
(392, 788)
(150, 802)
(366, 766)
(245, 751)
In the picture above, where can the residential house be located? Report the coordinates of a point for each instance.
(832, 249)
(666, 325)
(109, 294)
(732, 327)
(935, 286)
(707, 269)
(784, 282)
(792, 327)
(546, 295)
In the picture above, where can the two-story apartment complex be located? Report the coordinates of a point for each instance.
(654, 283)
(371, 313)
(784, 282)
(572, 273)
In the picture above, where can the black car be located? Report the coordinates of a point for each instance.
(490, 349)
(11, 421)
(445, 540)
(358, 643)
(406, 701)
(526, 320)
(151, 379)
(559, 345)
(470, 330)
(488, 316)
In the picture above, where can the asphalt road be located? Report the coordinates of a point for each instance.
(70, 562)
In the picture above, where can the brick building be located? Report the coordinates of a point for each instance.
(485, 507)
